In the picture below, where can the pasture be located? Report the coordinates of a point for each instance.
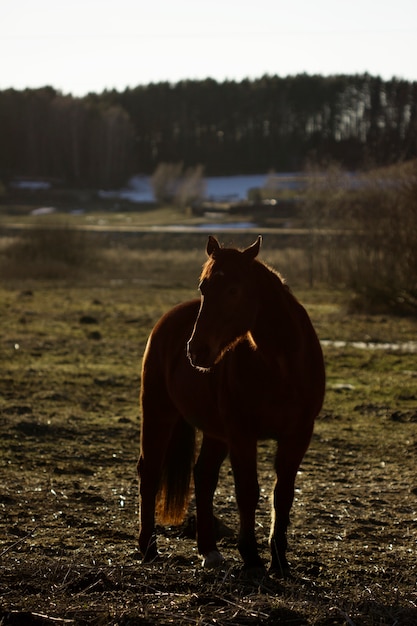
(70, 354)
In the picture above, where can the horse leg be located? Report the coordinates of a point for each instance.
(243, 460)
(206, 474)
(148, 487)
(154, 444)
(287, 462)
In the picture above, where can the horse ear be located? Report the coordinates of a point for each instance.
(212, 245)
(253, 250)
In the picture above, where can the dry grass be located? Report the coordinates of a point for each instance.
(69, 432)
(64, 252)
(40, 252)
(359, 235)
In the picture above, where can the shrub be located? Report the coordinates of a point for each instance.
(191, 188)
(47, 252)
(372, 231)
(172, 185)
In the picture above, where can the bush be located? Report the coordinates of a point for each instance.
(372, 232)
(172, 185)
(191, 188)
(40, 252)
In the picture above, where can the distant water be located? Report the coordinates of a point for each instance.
(232, 188)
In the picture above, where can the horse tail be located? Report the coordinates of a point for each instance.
(174, 487)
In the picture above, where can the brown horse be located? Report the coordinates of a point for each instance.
(243, 363)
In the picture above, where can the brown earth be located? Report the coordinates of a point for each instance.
(69, 439)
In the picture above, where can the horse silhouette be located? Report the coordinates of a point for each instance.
(241, 364)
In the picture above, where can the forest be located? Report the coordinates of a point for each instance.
(252, 126)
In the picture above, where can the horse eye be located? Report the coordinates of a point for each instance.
(233, 290)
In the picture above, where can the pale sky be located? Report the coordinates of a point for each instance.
(79, 46)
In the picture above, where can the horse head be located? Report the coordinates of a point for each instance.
(228, 303)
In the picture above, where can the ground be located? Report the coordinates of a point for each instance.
(69, 440)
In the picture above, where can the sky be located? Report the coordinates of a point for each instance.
(82, 46)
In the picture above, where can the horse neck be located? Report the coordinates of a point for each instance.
(275, 327)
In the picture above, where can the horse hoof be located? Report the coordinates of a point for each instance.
(212, 560)
(253, 573)
(282, 573)
(150, 555)
(150, 558)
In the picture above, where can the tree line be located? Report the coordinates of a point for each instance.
(251, 126)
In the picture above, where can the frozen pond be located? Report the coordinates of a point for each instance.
(226, 188)
(232, 187)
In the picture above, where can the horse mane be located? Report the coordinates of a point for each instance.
(274, 275)
(279, 308)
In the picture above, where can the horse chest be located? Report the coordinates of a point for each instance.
(258, 399)
(194, 395)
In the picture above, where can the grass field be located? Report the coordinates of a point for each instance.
(70, 353)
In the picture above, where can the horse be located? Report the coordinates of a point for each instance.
(240, 364)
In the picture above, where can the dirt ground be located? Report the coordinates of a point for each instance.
(69, 441)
